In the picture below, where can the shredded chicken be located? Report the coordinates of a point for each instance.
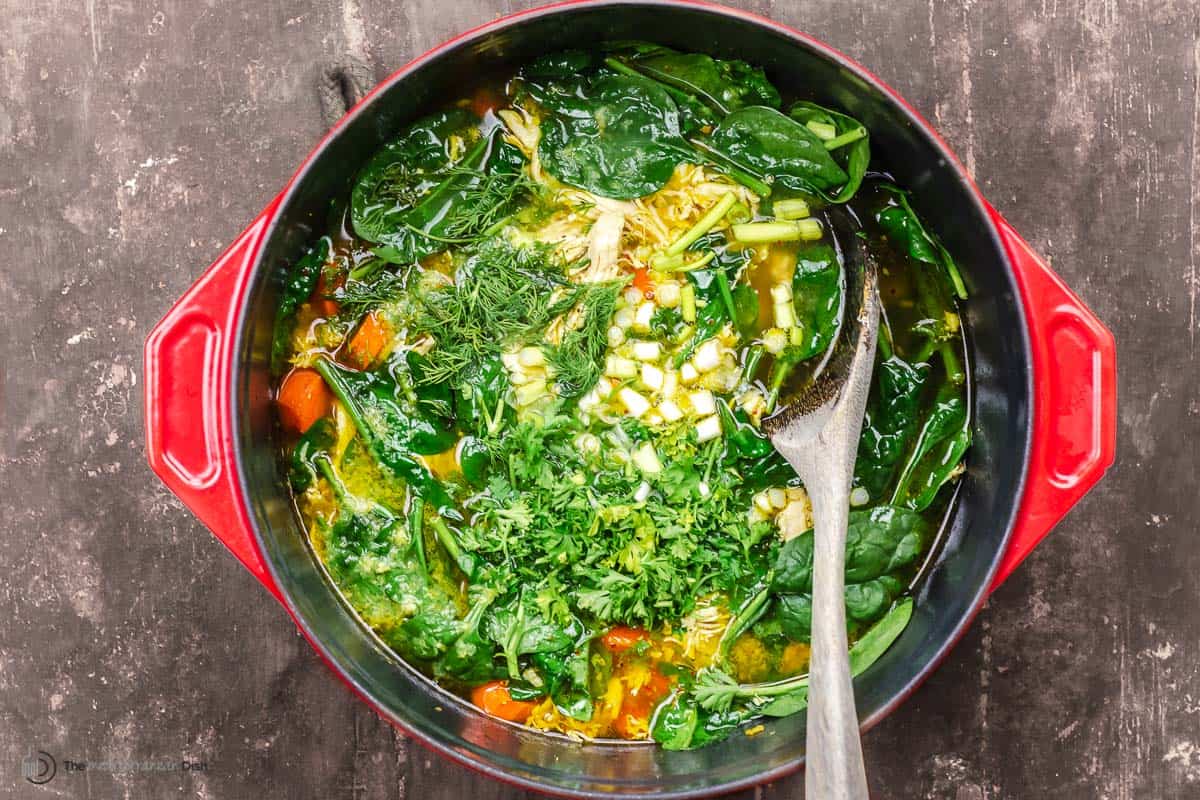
(604, 247)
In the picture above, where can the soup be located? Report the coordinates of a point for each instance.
(523, 379)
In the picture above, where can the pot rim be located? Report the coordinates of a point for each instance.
(823, 50)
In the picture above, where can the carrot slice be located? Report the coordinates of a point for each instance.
(643, 282)
(368, 342)
(303, 399)
(621, 638)
(493, 697)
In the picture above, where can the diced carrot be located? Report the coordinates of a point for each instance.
(368, 342)
(621, 638)
(485, 100)
(303, 399)
(643, 282)
(493, 697)
(325, 306)
(633, 720)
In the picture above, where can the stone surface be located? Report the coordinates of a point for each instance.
(137, 138)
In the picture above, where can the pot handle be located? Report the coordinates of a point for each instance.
(1075, 398)
(187, 371)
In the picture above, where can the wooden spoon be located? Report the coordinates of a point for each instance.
(818, 432)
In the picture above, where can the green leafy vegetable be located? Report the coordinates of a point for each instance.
(407, 169)
(503, 292)
(578, 360)
(778, 149)
(853, 157)
(893, 413)
(615, 135)
(881, 543)
(904, 229)
(937, 455)
(388, 416)
(702, 85)
(298, 285)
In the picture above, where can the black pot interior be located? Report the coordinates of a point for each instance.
(978, 530)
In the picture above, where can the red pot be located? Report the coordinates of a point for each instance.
(1043, 400)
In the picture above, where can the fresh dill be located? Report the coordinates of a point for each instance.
(357, 297)
(485, 200)
(504, 292)
(578, 360)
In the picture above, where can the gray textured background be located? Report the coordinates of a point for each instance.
(138, 137)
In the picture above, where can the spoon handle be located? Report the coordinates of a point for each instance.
(835, 768)
(825, 463)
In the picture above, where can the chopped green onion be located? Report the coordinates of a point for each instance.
(687, 303)
(810, 229)
(846, 138)
(697, 263)
(739, 213)
(792, 208)
(796, 336)
(823, 130)
(661, 262)
(704, 224)
(763, 232)
(664, 262)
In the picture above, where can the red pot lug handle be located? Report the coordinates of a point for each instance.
(1075, 398)
(188, 369)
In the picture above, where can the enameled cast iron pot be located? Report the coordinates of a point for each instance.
(1043, 372)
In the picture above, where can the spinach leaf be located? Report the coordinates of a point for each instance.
(875, 642)
(893, 413)
(905, 231)
(705, 88)
(370, 553)
(316, 443)
(880, 544)
(471, 658)
(298, 285)
(853, 157)
(675, 722)
(863, 653)
(480, 406)
(614, 135)
(393, 426)
(817, 298)
(567, 676)
(472, 198)
(407, 169)
(724, 300)
(777, 148)
(937, 455)
(681, 723)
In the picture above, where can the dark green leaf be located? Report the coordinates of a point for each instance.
(937, 453)
(405, 170)
(298, 285)
(393, 427)
(817, 298)
(853, 158)
(881, 543)
(893, 413)
(907, 234)
(777, 148)
(614, 135)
